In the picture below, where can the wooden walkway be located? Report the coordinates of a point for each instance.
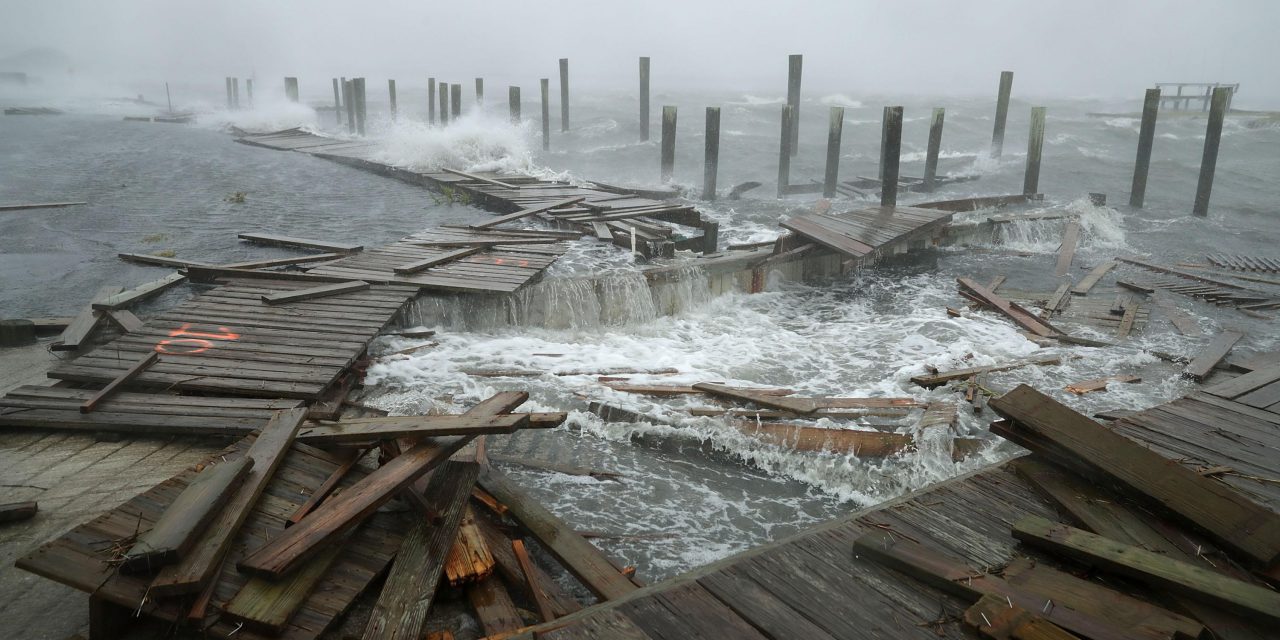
(819, 584)
(866, 234)
(609, 213)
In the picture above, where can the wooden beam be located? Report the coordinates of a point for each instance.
(284, 262)
(84, 323)
(1013, 311)
(39, 205)
(1050, 428)
(173, 535)
(301, 243)
(312, 293)
(1099, 384)
(325, 488)
(18, 511)
(469, 560)
(124, 319)
(794, 405)
(494, 608)
(932, 380)
(266, 606)
(992, 617)
(579, 556)
(1092, 278)
(504, 555)
(401, 609)
(524, 213)
(1180, 273)
(141, 292)
(160, 261)
(476, 178)
(343, 512)
(1067, 252)
(483, 242)
(1154, 569)
(1204, 362)
(389, 427)
(210, 273)
(526, 567)
(444, 258)
(205, 559)
(121, 380)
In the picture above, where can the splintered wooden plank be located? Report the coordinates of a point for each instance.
(401, 609)
(526, 567)
(1092, 278)
(322, 291)
(84, 322)
(470, 559)
(499, 545)
(524, 213)
(1154, 569)
(794, 405)
(1070, 237)
(932, 380)
(382, 428)
(472, 176)
(201, 565)
(1204, 362)
(186, 517)
(1050, 428)
(1056, 301)
(121, 380)
(338, 515)
(444, 258)
(992, 617)
(266, 606)
(303, 243)
(1015, 312)
(579, 556)
(140, 292)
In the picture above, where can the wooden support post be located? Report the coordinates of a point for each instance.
(337, 102)
(644, 98)
(229, 103)
(248, 88)
(169, 99)
(1002, 113)
(291, 89)
(455, 101)
(480, 93)
(391, 94)
(1035, 144)
(890, 154)
(784, 152)
(431, 100)
(710, 237)
(795, 63)
(1209, 161)
(348, 97)
(564, 95)
(545, 84)
(668, 143)
(711, 154)
(444, 103)
(1146, 139)
(513, 104)
(358, 86)
(935, 147)
(834, 132)
(235, 92)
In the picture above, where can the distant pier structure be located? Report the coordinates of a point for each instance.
(1179, 96)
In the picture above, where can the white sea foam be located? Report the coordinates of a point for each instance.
(839, 100)
(474, 142)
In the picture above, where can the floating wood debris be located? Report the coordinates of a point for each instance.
(1213, 353)
(39, 205)
(300, 243)
(1099, 384)
(18, 511)
(1067, 252)
(1245, 263)
(1016, 312)
(932, 380)
(1090, 279)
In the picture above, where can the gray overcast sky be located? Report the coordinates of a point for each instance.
(1056, 47)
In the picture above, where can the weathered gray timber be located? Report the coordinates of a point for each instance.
(337, 101)
(431, 100)
(1035, 145)
(361, 113)
(711, 154)
(935, 147)
(1146, 139)
(444, 103)
(513, 104)
(455, 100)
(291, 89)
(644, 98)
(564, 95)
(795, 65)
(890, 155)
(668, 143)
(248, 87)
(1209, 161)
(480, 93)
(835, 130)
(545, 86)
(391, 95)
(784, 152)
(1002, 113)
(348, 97)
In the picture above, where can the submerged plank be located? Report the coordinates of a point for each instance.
(378, 428)
(1205, 361)
(794, 405)
(932, 380)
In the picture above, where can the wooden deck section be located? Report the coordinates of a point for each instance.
(817, 585)
(137, 413)
(865, 234)
(495, 268)
(228, 341)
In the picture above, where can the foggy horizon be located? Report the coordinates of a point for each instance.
(1057, 49)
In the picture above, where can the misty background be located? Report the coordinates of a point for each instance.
(1067, 48)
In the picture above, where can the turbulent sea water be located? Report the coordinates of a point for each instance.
(693, 489)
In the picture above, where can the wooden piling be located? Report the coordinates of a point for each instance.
(248, 89)
(1209, 161)
(935, 147)
(513, 104)
(1146, 140)
(348, 93)
(710, 237)
(884, 140)
(1035, 145)
(291, 89)
(455, 101)
(668, 143)
(835, 130)
(890, 155)
(644, 98)
(480, 93)
(784, 152)
(711, 155)
(444, 103)
(169, 99)
(235, 92)
(230, 105)
(337, 102)
(1002, 113)
(564, 95)
(359, 91)
(545, 84)
(431, 100)
(795, 63)
(391, 95)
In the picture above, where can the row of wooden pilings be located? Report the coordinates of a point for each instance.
(351, 94)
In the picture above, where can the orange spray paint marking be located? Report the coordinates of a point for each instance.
(184, 341)
(498, 261)
(524, 263)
